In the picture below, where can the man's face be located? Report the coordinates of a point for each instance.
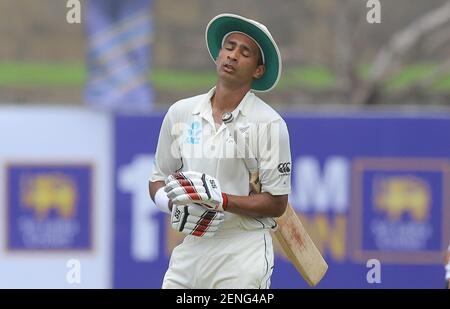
(238, 60)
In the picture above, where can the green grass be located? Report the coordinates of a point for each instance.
(309, 77)
(25, 74)
(40, 74)
(182, 80)
(409, 76)
(363, 71)
(442, 85)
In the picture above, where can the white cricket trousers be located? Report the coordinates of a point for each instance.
(239, 261)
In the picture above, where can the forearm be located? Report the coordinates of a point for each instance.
(257, 205)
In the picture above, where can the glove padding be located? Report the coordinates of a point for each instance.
(196, 220)
(194, 187)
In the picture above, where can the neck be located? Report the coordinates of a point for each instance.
(226, 99)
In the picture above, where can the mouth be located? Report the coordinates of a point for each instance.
(228, 68)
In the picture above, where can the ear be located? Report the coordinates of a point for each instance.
(259, 71)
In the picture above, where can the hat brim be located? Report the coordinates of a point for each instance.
(226, 23)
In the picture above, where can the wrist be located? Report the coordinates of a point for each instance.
(224, 201)
(162, 201)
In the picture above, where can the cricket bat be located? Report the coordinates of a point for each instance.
(296, 242)
(291, 234)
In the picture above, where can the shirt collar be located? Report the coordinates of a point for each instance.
(244, 106)
(204, 104)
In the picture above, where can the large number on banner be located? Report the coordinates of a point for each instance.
(133, 178)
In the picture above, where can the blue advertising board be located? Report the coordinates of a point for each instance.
(140, 259)
(49, 207)
(368, 187)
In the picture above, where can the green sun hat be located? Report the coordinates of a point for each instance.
(223, 24)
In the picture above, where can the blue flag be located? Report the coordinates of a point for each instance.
(119, 35)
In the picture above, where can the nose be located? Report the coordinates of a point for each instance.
(232, 55)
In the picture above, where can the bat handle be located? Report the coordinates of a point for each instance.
(255, 185)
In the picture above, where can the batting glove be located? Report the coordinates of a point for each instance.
(196, 220)
(193, 187)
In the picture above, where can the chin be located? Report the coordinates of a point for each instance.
(227, 76)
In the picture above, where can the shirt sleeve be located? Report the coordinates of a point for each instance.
(167, 156)
(274, 154)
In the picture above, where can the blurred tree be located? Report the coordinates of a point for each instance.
(389, 57)
(331, 54)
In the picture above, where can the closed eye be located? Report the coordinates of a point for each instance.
(229, 45)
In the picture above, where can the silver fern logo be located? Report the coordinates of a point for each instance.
(194, 133)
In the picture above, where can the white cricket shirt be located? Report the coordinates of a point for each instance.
(189, 141)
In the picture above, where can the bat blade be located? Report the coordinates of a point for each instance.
(296, 242)
(299, 247)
